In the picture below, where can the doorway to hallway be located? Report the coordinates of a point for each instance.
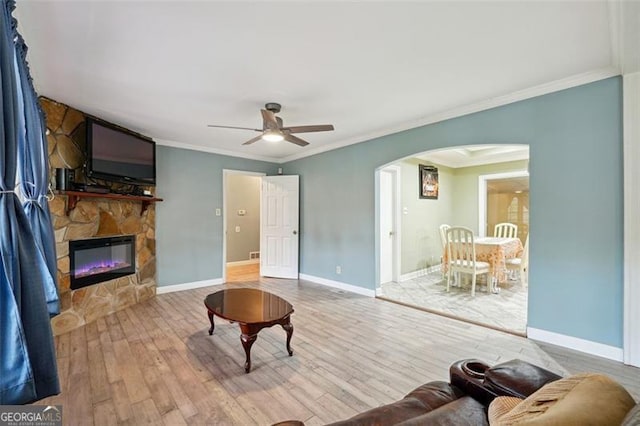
(241, 224)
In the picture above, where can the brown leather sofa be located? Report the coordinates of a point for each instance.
(472, 387)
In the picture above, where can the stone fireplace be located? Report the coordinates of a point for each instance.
(90, 219)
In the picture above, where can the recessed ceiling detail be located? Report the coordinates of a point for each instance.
(476, 155)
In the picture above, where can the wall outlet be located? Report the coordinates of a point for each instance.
(218, 212)
(237, 229)
(338, 269)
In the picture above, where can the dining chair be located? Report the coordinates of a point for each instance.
(520, 264)
(443, 235)
(461, 252)
(443, 241)
(505, 230)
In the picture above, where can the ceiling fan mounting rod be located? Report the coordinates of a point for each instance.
(274, 107)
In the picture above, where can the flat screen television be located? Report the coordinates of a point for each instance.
(116, 155)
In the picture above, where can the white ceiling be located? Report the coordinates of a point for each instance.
(166, 69)
(508, 185)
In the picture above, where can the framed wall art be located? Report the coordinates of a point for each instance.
(428, 182)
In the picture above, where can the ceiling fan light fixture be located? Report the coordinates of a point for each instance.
(273, 130)
(272, 136)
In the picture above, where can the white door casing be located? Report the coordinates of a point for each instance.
(279, 237)
(631, 320)
(482, 195)
(224, 213)
(386, 227)
(389, 223)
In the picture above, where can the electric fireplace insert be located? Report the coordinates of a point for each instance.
(101, 259)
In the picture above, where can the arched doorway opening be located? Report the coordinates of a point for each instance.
(459, 194)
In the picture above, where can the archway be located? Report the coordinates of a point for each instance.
(454, 200)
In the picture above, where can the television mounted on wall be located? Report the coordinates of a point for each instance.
(118, 155)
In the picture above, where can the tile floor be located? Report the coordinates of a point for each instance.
(506, 310)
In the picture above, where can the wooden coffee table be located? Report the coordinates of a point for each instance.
(254, 310)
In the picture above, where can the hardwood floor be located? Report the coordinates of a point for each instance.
(243, 273)
(154, 363)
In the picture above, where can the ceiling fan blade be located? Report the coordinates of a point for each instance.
(295, 139)
(307, 129)
(250, 141)
(234, 127)
(269, 119)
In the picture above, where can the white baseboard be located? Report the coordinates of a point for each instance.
(243, 262)
(187, 286)
(586, 346)
(340, 285)
(419, 273)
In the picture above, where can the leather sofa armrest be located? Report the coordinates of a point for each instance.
(465, 411)
(468, 376)
(421, 400)
(517, 378)
(512, 378)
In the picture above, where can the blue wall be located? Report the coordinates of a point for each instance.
(188, 233)
(576, 258)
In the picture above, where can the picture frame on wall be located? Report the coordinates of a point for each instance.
(428, 182)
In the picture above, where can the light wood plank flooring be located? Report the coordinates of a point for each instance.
(154, 363)
(243, 273)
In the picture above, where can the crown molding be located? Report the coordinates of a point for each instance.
(175, 144)
(532, 92)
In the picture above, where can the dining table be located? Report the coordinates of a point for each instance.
(494, 251)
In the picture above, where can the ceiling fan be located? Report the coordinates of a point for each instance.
(273, 131)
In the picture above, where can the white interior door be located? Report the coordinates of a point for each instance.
(279, 226)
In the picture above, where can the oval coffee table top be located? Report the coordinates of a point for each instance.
(248, 305)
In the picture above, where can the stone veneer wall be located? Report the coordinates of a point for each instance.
(93, 217)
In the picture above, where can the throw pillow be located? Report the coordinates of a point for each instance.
(581, 400)
(501, 406)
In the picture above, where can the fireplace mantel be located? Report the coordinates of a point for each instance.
(74, 196)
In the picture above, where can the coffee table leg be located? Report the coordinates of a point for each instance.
(211, 321)
(288, 327)
(247, 342)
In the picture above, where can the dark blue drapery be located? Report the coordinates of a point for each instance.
(33, 169)
(28, 369)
